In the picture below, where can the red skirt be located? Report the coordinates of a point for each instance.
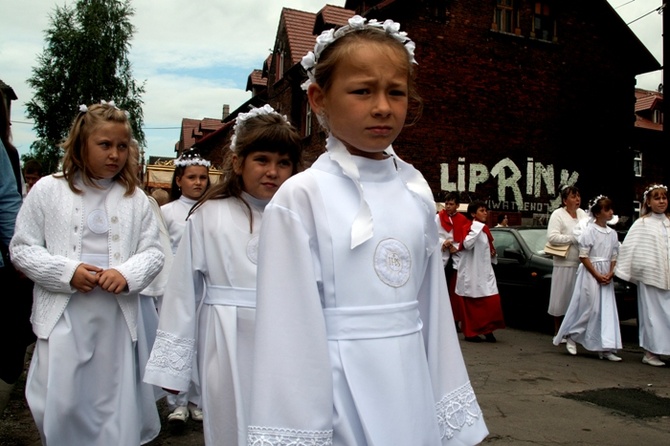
(455, 299)
(481, 315)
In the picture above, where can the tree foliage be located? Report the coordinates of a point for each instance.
(85, 60)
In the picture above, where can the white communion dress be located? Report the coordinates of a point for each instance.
(217, 255)
(356, 346)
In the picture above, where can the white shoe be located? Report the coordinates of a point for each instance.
(652, 360)
(570, 346)
(563, 341)
(609, 356)
(179, 415)
(196, 413)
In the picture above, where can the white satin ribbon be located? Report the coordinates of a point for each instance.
(362, 227)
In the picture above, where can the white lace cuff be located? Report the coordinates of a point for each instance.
(268, 436)
(456, 410)
(172, 355)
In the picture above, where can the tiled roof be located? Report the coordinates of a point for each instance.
(335, 15)
(192, 130)
(299, 26)
(210, 124)
(256, 79)
(302, 27)
(647, 102)
(188, 127)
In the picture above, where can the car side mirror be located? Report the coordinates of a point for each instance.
(515, 254)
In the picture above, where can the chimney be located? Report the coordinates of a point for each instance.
(226, 111)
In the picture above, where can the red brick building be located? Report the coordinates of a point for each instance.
(520, 96)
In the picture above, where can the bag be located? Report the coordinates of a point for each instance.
(557, 250)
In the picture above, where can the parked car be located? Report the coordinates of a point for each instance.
(523, 273)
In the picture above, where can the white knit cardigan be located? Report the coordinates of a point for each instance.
(643, 255)
(47, 247)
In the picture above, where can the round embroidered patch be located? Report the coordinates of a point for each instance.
(392, 262)
(252, 250)
(97, 221)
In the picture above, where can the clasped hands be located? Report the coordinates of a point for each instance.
(86, 277)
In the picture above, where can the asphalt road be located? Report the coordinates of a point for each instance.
(531, 393)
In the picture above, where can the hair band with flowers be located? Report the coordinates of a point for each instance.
(191, 158)
(356, 23)
(255, 111)
(83, 108)
(595, 200)
(652, 187)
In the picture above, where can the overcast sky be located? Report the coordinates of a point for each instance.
(196, 56)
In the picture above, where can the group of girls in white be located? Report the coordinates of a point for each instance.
(643, 258)
(307, 304)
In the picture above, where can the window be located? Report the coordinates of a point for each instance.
(308, 120)
(657, 116)
(505, 17)
(279, 63)
(544, 27)
(637, 163)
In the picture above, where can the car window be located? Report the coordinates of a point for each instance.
(503, 240)
(535, 239)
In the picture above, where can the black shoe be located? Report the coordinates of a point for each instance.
(489, 337)
(473, 339)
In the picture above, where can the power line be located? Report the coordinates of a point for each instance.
(143, 128)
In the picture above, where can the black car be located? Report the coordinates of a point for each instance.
(523, 273)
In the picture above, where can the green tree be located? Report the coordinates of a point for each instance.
(85, 60)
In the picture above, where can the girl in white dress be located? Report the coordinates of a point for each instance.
(216, 259)
(88, 239)
(592, 319)
(189, 182)
(644, 259)
(355, 337)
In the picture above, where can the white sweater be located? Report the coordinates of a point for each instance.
(47, 242)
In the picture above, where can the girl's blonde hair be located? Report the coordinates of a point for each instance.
(269, 132)
(341, 49)
(76, 151)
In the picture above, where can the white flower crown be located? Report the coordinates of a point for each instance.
(84, 108)
(356, 23)
(191, 158)
(255, 111)
(652, 187)
(593, 201)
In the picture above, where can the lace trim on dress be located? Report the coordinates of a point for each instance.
(172, 355)
(272, 436)
(456, 410)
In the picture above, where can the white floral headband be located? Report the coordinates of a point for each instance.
(356, 23)
(652, 187)
(191, 158)
(255, 111)
(84, 108)
(595, 200)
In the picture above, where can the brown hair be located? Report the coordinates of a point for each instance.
(76, 151)
(260, 133)
(342, 47)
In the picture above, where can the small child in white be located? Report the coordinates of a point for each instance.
(592, 319)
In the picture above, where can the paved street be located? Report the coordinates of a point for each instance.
(520, 382)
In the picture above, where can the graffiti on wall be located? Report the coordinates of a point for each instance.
(525, 188)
